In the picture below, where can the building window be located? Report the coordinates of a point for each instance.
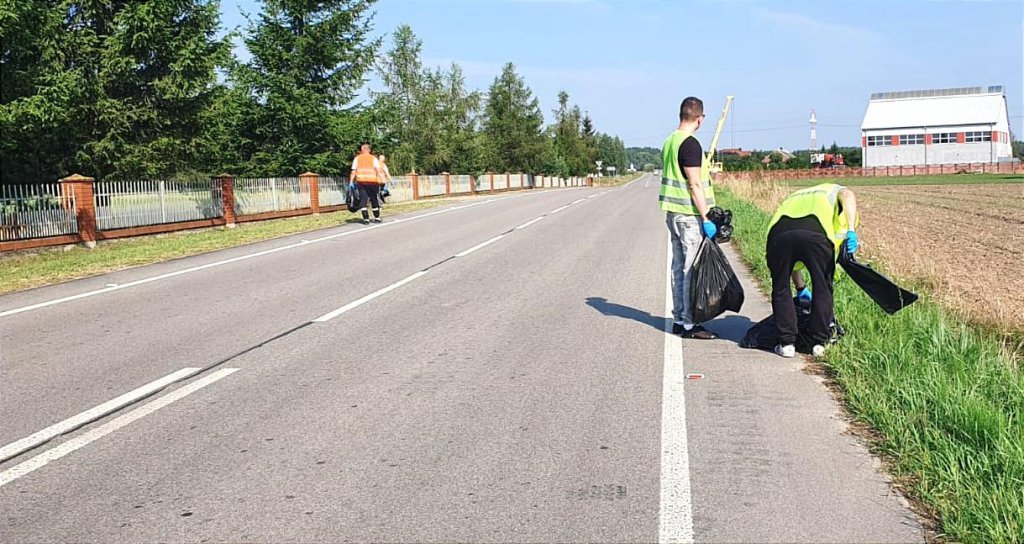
(944, 138)
(973, 137)
(911, 139)
(879, 140)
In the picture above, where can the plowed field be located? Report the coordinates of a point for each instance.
(966, 242)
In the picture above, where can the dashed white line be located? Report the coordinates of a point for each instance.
(70, 446)
(480, 245)
(528, 223)
(116, 287)
(92, 414)
(578, 201)
(675, 518)
(553, 212)
(357, 303)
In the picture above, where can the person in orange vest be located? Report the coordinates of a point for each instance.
(367, 176)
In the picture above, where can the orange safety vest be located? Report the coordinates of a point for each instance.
(365, 172)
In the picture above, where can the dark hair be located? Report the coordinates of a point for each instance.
(691, 108)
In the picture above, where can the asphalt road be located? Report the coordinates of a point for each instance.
(469, 373)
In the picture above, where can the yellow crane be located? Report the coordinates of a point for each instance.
(716, 167)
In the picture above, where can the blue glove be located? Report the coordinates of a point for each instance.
(804, 294)
(852, 243)
(710, 229)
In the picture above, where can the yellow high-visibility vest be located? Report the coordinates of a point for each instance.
(675, 191)
(822, 203)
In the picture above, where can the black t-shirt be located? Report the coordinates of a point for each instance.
(690, 155)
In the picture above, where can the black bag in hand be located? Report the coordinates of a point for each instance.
(352, 199)
(714, 287)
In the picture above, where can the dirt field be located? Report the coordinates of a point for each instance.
(966, 242)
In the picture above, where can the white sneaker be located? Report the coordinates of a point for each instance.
(818, 350)
(787, 351)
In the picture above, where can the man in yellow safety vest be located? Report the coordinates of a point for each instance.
(366, 176)
(686, 196)
(807, 231)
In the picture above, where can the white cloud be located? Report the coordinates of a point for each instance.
(815, 26)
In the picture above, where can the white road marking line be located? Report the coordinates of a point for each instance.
(675, 519)
(578, 201)
(70, 446)
(528, 223)
(92, 414)
(553, 212)
(232, 260)
(357, 303)
(480, 245)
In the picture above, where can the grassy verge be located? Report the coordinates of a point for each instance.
(614, 181)
(945, 401)
(24, 270)
(944, 179)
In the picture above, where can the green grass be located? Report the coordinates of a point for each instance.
(946, 179)
(615, 181)
(946, 401)
(27, 269)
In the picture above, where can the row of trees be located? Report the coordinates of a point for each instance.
(149, 88)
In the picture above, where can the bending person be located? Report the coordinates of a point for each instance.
(806, 232)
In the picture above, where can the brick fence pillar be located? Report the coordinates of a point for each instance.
(508, 181)
(415, 180)
(491, 176)
(227, 195)
(472, 184)
(310, 183)
(85, 206)
(447, 183)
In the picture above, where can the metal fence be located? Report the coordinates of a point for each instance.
(461, 183)
(332, 190)
(432, 185)
(259, 195)
(35, 211)
(124, 204)
(401, 189)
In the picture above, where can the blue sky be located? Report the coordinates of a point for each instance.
(630, 63)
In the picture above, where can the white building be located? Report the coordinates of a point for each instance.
(942, 126)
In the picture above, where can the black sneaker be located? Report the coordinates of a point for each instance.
(698, 332)
(366, 221)
(377, 220)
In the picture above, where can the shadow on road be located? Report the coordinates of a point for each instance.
(602, 305)
(731, 327)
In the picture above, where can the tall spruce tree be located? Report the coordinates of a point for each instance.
(513, 126)
(113, 89)
(287, 107)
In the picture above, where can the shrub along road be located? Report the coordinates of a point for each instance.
(492, 371)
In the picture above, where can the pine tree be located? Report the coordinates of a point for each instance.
(513, 126)
(111, 89)
(308, 63)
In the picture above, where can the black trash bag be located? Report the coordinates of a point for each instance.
(724, 234)
(384, 193)
(765, 333)
(714, 287)
(352, 199)
(723, 221)
(889, 296)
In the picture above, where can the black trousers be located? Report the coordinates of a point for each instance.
(813, 248)
(369, 193)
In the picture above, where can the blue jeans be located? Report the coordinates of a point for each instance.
(686, 234)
